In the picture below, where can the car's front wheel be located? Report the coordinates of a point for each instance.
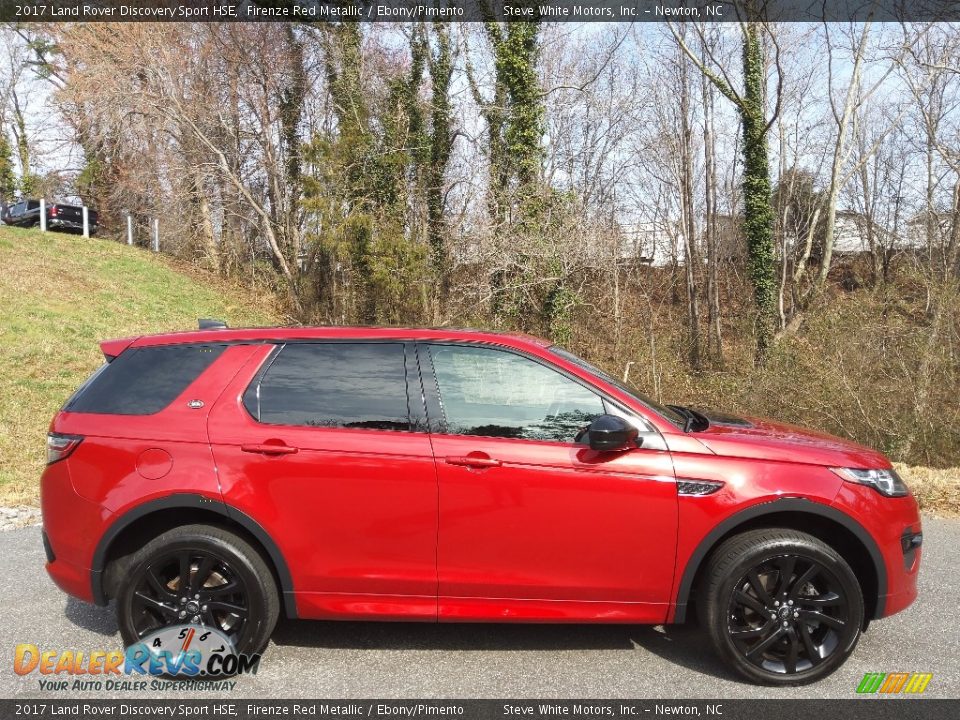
(199, 575)
(781, 606)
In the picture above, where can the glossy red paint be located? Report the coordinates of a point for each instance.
(554, 531)
(354, 511)
(887, 519)
(779, 442)
(430, 526)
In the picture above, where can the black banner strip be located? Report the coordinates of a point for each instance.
(874, 708)
(478, 10)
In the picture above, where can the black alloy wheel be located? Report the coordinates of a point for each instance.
(198, 575)
(781, 606)
(190, 586)
(788, 614)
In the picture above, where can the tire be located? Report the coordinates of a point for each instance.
(149, 595)
(781, 607)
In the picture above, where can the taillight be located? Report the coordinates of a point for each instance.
(60, 446)
(53, 211)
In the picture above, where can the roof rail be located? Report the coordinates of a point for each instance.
(211, 324)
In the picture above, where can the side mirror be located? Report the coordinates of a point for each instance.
(609, 433)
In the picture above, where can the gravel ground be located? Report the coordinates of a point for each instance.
(325, 659)
(19, 516)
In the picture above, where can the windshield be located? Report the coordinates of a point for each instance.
(662, 410)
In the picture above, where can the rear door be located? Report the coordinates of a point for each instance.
(326, 447)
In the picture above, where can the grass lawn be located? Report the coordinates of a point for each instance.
(59, 296)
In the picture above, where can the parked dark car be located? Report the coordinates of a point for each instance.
(60, 216)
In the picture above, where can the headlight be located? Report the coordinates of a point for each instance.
(885, 482)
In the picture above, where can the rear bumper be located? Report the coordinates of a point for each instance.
(69, 224)
(72, 579)
(71, 527)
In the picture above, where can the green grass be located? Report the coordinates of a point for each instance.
(59, 296)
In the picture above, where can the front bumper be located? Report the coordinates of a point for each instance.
(895, 526)
(902, 581)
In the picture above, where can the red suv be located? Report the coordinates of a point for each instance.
(223, 476)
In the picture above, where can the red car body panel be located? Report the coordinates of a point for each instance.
(554, 524)
(887, 520)
(355, 511)
(382, 524)
(779, 442)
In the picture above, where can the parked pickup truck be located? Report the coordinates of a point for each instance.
(60, 216)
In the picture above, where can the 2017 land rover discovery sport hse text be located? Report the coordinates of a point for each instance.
(221, 477)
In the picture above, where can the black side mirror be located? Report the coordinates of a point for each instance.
(609, 433)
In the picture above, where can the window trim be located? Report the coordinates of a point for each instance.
(437, 416)
(416, 417)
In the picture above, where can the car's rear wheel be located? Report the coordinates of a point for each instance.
(781, 606)
(199, 575)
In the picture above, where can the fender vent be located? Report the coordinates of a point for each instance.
(698, 487)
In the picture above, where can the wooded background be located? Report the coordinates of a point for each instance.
(764, 218)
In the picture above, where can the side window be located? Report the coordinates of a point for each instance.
(33, 205)
(500, 394)
(333, 385)
(143, 381)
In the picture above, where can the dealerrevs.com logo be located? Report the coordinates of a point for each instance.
(892, 683)
(179, 655)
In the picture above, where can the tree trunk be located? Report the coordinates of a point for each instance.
(441, 147)
(689, 221)
(758, 211)
(714, 336)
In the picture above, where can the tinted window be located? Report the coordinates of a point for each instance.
(348, 385)
(143, 381)
(33, 205)
(501, 394)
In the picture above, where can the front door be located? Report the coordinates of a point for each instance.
(320, 444)
(533, 525)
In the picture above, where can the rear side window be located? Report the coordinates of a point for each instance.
(333, 385)
(143, 381)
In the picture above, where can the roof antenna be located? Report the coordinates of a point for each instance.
(211, 324)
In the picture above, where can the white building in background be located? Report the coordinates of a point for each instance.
(662, 244)
(851, 235)
(651, 243)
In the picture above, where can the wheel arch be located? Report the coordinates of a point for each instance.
(156, 516)
(836, 528)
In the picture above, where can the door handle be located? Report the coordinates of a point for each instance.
(472, 461)
(269, 449)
